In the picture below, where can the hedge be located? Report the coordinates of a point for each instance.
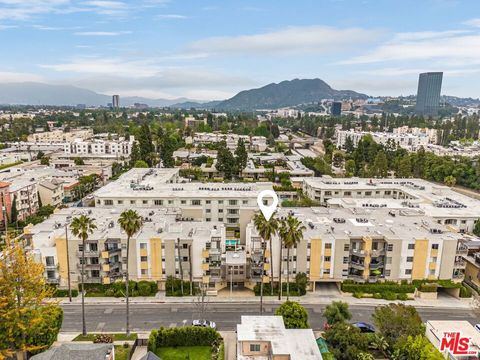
(173, 287)
(465, 292)
(382, 287)
(64, 293)
(447, 284)
(428, 287)
(294, 289)
(183, 336)
(117, 289)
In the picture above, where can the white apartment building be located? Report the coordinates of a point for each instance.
(60, 135)
(25, 193)
(231, 203)
(120, 147)
(407, 141)
(431, 133)
(254, 143)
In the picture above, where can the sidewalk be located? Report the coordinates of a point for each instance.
(309, 299)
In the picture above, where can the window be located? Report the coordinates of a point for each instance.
(143, 258)
(409, 258)
(254, 347)
(144, 202)
(196, 202)
(326, 258)
(411, 246)
(387, 272)
(132, 202)
(158, 202)
(347, 193)
(431, 272)
(208, 211)
(433, 259)
(185, 258)
(108, 202)
(95, 273)
(232, 202)
(389, 247)
(144, 272)
(408, 271)
(208, 202)
(434, 246)
(119, 202)
(183, 202)
(93, 247)
(328, 193)
(170, 202)
(389, 260)
(220, 201)
(51, 274)
(185, 246)
(368, 193)
(245, 202)
(346, 247)
(345, 259)
(220, 219)
(80, 247)
(220, 210)
(80, 260)
(326, 271)
(143, 245)
(328, 245)
(49, 261)
(208, 219)
(94, 261)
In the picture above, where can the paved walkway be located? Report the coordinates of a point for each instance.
(309, 299)
(230, 343)
(139, 352)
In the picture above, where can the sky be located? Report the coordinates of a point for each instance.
(211, 49)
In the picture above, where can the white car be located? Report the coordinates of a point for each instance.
(204, 323)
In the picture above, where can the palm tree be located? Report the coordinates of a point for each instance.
(267, 229)
(131, 223)
(81, 227)
(291, 232)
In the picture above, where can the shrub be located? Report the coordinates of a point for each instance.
(372, 288)
(64, 293)
(377, 296)
(103, 339)
(389, 295)
(182, 336)
(358, 295)
(294, 315)
(465, 292)
(428, 287)
(403, 297)
(44, 333)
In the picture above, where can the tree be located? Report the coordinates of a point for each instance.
(380, 166)
(134, 154)
(345, 341)
(45, 160)
(78, 161)
(350, 168)
(225, 161)
(81, 227)
(291, 233)
(404, 167)
(450, 181)
(166, 148)
(140, 164)
(397, 320)
(338, 159)
(23, 306)
(294, 315)
(40, 154)
(241, 155)
(416, 348)
(349, 146)
(267, 229)
(337, 312)
(145, 144)
(14, 210)
(131, 223)
(476, 229)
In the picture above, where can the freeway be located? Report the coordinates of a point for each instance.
(144, 317)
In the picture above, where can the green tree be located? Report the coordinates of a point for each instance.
(81, 227)
(241, 155)
(45, 160)
(345, 341)
(416, 348)
(14, 210)
(78, 161)
(380, 166)
(350, 168)
(337, 312)
(291, 233)
(349, 146)
(294, 315)
(397, 320)
(450, 181)
(40, 154)
(225, 161)
(476, 229)
(140, 164)
(267, 229)
(23, 294)
(131, 223)
(134, 154)
(404, 167)
(167, 147)
(145, 144)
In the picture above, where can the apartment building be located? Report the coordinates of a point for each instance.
(167, 245)
(60, 135)
(362, 245)
(265, 337)
(408, 141)
(254, 143)
(232, 204)
(24, 193)
(118, 148)
(438, 202)
(51, 192)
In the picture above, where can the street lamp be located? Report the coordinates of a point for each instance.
(68, 262)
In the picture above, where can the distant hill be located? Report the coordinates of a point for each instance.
(286, 93)
(32, 93)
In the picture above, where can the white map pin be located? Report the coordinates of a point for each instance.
(267, 211)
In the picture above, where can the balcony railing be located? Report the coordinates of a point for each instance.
(358, 252)
(460, 264)
(379, 252)
(356, 277)
(355, 265)
(53, 280)
(89, 253)
(376, 265)
(89, 266)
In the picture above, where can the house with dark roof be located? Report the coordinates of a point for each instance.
(78, 351)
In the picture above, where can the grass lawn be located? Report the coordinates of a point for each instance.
(116, 337)
(180, 353)
(121, 353)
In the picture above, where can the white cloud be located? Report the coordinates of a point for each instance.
(25, 9)
(171, 16)
(291, 40)
(472, 22)
(6, 77)
(101, 33)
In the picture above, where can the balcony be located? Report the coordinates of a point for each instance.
(88, 253)
(356, 265)
(378, 265)
(378, 252)
(89, 266)
(358, 252)
(358, 278)
(51, 267)
(215, 264)
(55, 280)
(462, 250)
(460, 264)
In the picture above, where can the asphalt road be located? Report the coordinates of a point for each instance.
(144, 317)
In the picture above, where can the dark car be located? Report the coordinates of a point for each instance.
(364, 327)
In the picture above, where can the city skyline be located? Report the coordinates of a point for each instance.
(212, 50)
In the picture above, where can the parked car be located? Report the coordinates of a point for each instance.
(364, 327)
(204, 323)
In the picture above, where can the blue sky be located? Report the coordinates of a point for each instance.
(211, 49)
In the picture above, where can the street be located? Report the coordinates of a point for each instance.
(144, 317)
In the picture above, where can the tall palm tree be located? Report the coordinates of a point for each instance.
(131, 223)
(81, 227)
(267, 229)
(291, 232)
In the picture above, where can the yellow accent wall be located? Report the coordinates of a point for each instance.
(368, 258)
(420, 255)
(156, 258)
(143, 252)
(61, 245)
(315, 258)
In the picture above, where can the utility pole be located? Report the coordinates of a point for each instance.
(68, 263)
(231, 280)
(191, 274)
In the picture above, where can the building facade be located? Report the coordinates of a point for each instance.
(428, 94)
